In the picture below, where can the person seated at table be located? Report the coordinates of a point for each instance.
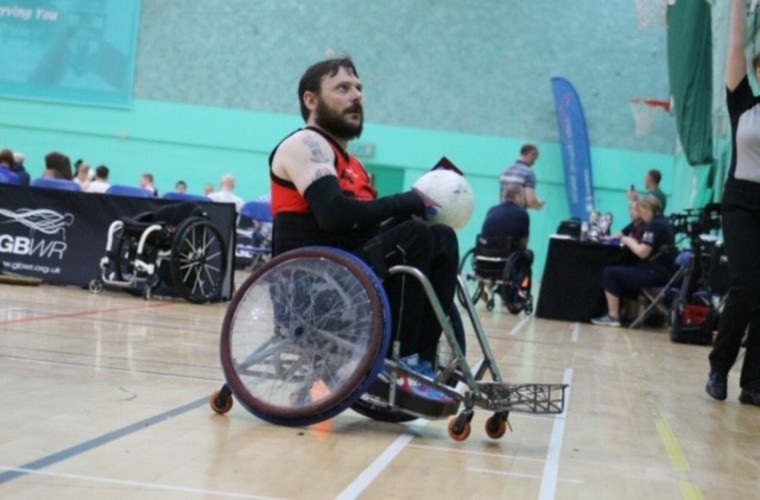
(635, 228)
(653, 261)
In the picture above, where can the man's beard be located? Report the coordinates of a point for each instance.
(334, 123)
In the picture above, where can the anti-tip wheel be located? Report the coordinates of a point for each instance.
(496, 426)
(220, 407)
(96, 286)
(459, 431)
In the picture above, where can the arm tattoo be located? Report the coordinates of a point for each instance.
(316, 151)
(321, 172)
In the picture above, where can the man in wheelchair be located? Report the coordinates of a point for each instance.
(502, 261)
(321, 195)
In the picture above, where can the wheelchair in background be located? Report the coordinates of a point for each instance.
(498, 267)
(254, 235)
(308, 335)
(176, 245)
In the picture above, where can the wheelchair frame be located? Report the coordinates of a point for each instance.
(139, 269)
(462, 383)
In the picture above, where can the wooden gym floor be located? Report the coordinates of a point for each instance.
(106, 397)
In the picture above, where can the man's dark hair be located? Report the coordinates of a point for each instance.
(527, 148)
(655, 175)
(59, 164)
(311, 80)
(102, 172)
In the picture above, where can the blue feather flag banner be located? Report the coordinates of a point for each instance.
(576, 153)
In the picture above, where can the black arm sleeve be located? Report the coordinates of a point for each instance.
(335, 211)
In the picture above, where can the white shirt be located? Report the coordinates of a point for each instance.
(97, 186)
(227, 197)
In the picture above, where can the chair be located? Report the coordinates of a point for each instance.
(185, 197)
(656, 296)
(254, 234)
(123, 190)
(9, 177)
(61, 184)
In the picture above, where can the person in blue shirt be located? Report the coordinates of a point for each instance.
(508, 219)
(522, 173)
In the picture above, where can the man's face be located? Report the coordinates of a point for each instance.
(531, 157)
(339, 108)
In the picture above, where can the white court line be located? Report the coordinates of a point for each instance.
(519, 326)
(476, 453)
(376, 468)
(137, 484)
(576, 332)
(553, 454)
(517, 474)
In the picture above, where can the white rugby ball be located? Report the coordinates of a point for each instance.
(452, 192)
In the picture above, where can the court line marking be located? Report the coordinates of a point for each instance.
(98, 441)
(554, 452)
(576, 332)
(79, 314)
(11, 357)
(137, 484)
(519, 474)
(519, 325)
(363, 480)
(679, 464)
(476, 453)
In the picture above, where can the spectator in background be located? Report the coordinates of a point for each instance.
(652, 185)
(100, 183)
(180, 187)
(18, 168)
(226, 193)
(146, 182)
(57, 166)
(208, 189)
(522, 173)
(82, 174)
(635, 228)
(508, 219)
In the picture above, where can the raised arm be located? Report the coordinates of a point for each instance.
(736, 64)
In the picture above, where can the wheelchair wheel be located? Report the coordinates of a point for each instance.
(516, 293)
(305, 336)
(198, 261)
(473, 283)
(378, 409)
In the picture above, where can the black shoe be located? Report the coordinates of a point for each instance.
(748, 397)
(717, 386)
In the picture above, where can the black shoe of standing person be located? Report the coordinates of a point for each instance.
(750, 397)
(717, 385)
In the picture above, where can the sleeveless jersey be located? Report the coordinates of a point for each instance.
(353, 180)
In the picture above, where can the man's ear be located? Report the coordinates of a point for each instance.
(310, 100)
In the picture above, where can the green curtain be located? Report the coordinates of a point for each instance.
(690, 72)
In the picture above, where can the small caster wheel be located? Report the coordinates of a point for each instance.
(96, 286)
(490, 304)
(496, 426)
(147, 292)
(459, 429)
(219, 403)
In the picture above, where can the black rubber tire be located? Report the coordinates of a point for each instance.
(198, 261)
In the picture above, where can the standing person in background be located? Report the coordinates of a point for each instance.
(740, 215)
(522, 173)
(652, 185)
(226, 193)
(100, 183)
(146, 182)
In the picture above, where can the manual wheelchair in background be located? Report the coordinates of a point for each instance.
(308, 335)
(176, 246)
(498, 267)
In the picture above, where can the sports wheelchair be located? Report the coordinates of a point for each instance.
(498, 266)
(176, 246)
(308, 335)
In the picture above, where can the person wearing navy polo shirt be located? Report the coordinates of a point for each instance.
(508, 219)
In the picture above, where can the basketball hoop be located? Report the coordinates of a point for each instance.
(644, 112)
(652, 13)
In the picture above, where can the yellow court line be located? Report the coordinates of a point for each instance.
(678, 461)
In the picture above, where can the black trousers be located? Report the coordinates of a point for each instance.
(433, 250)
(741, 233)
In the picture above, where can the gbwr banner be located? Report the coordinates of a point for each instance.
(60, 236)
